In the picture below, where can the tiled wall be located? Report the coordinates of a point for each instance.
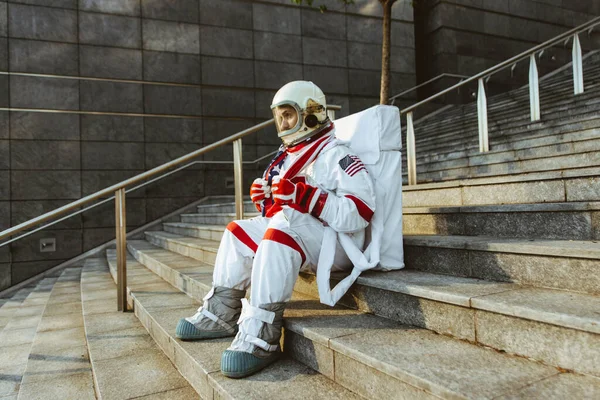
(173, 75)
(469, 36)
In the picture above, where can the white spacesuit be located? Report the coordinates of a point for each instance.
(314, 181)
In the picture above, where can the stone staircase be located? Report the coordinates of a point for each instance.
(500, 297)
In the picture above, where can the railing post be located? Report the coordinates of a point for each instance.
(238, 178)
(411, 157)
(121, 227)
(482, 118)
(534, 90)
(577, 66)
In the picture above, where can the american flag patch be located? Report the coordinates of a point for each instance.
(351, 165)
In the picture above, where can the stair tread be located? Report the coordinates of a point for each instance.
(563, 308)
(390, 347)
(287, 379)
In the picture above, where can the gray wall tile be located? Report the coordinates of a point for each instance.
(108, 155)
(227, 72)
(173, 130)
(104, 216)
(25, 270)
(112, 128)
(4, 154)
(175, 10)
(40, 185)
(94, 237)
(263, 104)
(109, 30)
(68, 245)
(228, 103)
(364, 83)
(364, 56)
(323, 25)
(3, 54)
(44, 126)
(215, 129)
(110, 62)
(181, 184)
(160, 153)
(71, 4)
(357, 104)
(273, 75)
(171, 67)
(267, 46)
(43, 57)
(4, 185)
(5, 275)
(3, 19)
(276, 19)
(324, 52)
(403, 34)
(181, 100)
(52, 93)
(226, 42)
(94, 181)
(232, 14)
(268, 136)
(125, 7)
(43, 155)
(4, 123)
(31, 22)
(111, 96)
(22, 211)
(340, 100)
(402, 60)
(159, 207)
(364, 29)
(401, 10)
(4, 91)
(171, 36)
(329, 79)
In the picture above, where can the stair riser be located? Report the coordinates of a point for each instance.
(214, 209)
(208, 220)
(527, 139)
(198, 233)
(350, 373)
(554, 345)
(576, 274)
(515, 111)
(574, 225)
(204, 255)
(561, 148)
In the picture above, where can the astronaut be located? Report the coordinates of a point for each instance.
(313, 182)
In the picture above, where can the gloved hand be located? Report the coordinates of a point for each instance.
(299, 195)
(259, 191)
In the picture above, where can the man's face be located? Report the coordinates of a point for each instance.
(286, 117)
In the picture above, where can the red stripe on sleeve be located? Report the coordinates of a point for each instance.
(363, 209)
(242, 236)
(281, 237)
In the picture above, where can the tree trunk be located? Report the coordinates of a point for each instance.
(384, 93)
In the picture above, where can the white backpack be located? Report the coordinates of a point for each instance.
(375, 136)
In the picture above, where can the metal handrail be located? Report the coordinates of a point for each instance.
(440, 76)
(505, 64)
(483, 77)
(133, 189)
(120, 195)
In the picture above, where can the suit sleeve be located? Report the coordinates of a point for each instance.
(349, 207)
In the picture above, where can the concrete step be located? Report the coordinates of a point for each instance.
(126, 361)
(18, 335)
(466, 132)
(526, 156)
(373, 356)
(10, 305)
(446, 304)
(571, 264)
(213, 219)
(159, 307)
(516, 103)
(557, 264)
(525, 139)
(58, 365)
(527, 221)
